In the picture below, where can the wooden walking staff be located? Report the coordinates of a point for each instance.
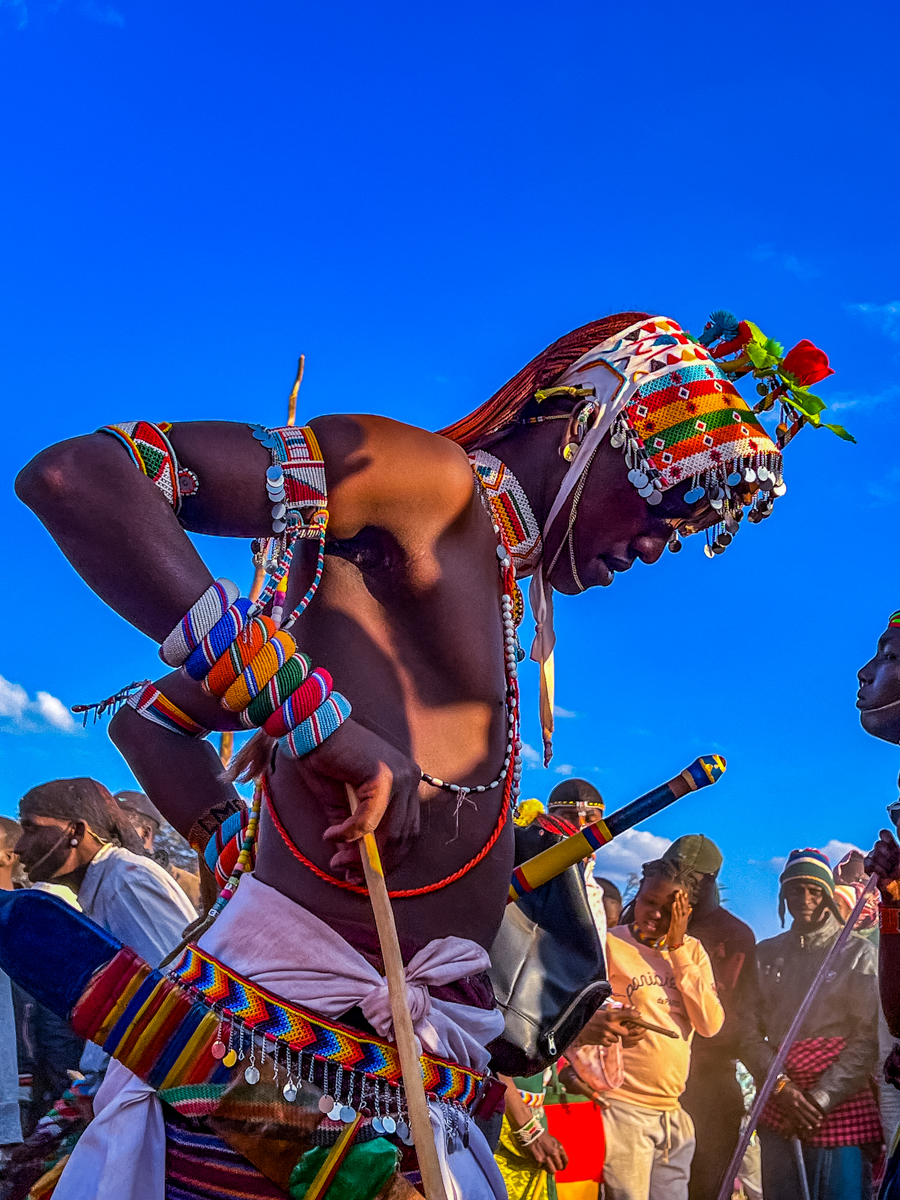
(706, 770)
(419, 1120)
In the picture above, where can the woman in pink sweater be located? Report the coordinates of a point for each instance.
(657, 969)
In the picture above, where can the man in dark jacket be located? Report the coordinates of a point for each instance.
(824, 1098)
(713, 1095)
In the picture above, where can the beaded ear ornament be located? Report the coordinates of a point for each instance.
(682, 418)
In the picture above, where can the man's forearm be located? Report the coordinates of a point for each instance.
(182, 776)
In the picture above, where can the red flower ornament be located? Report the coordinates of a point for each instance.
(806, 363)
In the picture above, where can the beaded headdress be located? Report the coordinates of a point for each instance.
(668, 400)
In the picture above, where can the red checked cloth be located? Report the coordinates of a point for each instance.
(856, 1122)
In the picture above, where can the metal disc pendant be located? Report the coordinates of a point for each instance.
(734, 479)
(646, 491)
(638, 478)
(716, 549)
(230, 1058)
(389, 1125)
(219, 1049)
(278, 511)
(779, 489)
(326, 1104)
(279, 526)
(707, 550)
(335, 1114)
(378, 1125)
(402, 1130)
(749, 475)
(289, 1092)
(717, 503)
(762, 474)
(617, 440)
(252, 1075)
(694, 495)
(348, 1114)
(274, 474)
(724, 539)
(655, 497)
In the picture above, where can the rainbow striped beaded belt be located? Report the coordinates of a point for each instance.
(202, 1024)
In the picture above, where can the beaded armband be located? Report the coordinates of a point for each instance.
(255, 670)
(212, 821)
(151, 704)
(888, 918)
(151, 452)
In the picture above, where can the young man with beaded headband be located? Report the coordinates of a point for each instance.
(400, 675)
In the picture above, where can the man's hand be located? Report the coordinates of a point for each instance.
(386, 783)
(548, 1153)
(884, 859)
(681, 914)
(609, 1025)
(573, 1083)
(804, 1116)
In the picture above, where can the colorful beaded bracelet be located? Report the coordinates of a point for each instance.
(261, 669)
(151, 704)
(312, 732)
(206, 654)
(198, 621)
(301, 704)
(276, 691)
(245, 647)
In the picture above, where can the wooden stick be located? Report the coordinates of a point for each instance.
(420, 1122)
(292, 399)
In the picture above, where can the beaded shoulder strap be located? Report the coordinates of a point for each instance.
(511, 510)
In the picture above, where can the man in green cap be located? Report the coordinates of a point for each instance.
(713, 1095)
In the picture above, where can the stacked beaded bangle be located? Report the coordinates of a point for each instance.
(888, 918)
(151, 704)
(254, 669)
(245, 857)
(529, 1133)
(224, 848)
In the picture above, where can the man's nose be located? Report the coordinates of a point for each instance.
(866, 674)
(648, 547)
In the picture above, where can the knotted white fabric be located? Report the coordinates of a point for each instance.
(271, 941)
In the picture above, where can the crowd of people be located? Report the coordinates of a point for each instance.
(647, 1103)
(571, 1040)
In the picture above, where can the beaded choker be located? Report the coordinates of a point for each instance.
(510, 510)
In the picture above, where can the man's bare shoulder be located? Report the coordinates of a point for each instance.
(377, 467)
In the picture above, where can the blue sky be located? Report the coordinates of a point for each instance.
(420, 198)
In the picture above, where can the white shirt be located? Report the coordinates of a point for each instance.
(136, 901)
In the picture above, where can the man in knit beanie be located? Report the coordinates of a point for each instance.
(824, 1097)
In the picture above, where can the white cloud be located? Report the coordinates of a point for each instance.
(889, 395)
(13, 700)
(32, 715)
(564, 769)
(55, 712)
(834, 851)
(769, 252)
(885, 316)
(531, 757)
(564, 713)
(627, 853)
(18, 14)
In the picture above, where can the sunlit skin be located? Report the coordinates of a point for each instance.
(407, 620)
(878, 698)
(661, 909)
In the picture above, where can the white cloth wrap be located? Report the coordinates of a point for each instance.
(271, 941)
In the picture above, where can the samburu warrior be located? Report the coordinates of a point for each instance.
(393, 670)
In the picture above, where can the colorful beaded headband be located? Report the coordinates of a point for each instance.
(894, 619)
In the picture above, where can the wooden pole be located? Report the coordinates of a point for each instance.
(292, 399)
(419, 1120)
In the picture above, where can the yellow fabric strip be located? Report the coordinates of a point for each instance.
(203, 1034)
(103, 1031)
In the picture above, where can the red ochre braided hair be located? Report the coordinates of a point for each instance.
(506, 405)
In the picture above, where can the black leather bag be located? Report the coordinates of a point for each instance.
(547, 965)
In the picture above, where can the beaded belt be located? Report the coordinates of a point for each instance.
(194, 1025)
